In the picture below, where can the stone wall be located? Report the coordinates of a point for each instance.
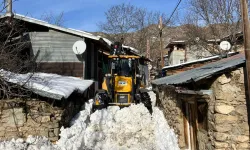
(167, 100)
(230, 127)
(227, 111)
(20, 118)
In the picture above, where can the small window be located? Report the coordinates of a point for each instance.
(181, 61)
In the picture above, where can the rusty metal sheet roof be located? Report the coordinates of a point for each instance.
(202, 72)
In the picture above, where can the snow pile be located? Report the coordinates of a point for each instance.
(48, 85)
(165, 137)
(128, 128)
(114, 128)
(73, 138)
(152, 98)
(31, 143)
(109, 129)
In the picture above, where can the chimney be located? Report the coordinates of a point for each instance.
(8, 5)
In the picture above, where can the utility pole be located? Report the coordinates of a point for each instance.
(161, 49)
(148, 48)
(8, 5)
(246, 33)
(148, 56)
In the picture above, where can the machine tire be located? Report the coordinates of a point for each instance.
(146, 100)
(104, 96)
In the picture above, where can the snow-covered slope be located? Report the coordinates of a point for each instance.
(110, 129)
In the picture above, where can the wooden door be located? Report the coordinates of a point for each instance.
(190, 125)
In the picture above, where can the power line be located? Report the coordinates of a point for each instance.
(173, 12)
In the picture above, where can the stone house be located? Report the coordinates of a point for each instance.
(207, 106)
(180, 51)
(52, 102)
(178, 68)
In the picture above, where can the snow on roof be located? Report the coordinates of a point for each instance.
(131, 48)
(106, 40)
(124, 46)
(196, 61)
(48, 85)
(178, 41)
(44, 23)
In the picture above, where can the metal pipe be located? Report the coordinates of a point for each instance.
(8, 4)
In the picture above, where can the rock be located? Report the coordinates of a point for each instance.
(223, 79)
(2, 133)
(45, 119)
(219, 95)
(219, 119)
(233, 147)
(11, 135)
(31, 122)
(241, 110)
(221, 136)
(220, 145)
(236, 130)
(56, 131)
(44, 132)
(241, 79)
(240, 138)
(26, 128)
(54, 124)
(226, 96)
(2, 128)
(241, 98)
(224, 109)
(244, 126)
(13, 117)
(53, 139)
(243, 145)
(230, 88)
(51, 133)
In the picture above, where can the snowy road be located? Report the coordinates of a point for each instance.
(108, 129)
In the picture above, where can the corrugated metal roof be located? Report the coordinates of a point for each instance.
(202, 72)
(46, 24)
(196, 61)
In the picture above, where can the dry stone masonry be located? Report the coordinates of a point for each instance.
(170, 104)
(21, 118)
(231, 127)
(227, 123)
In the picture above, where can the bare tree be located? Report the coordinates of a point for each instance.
(14, 55)
(135, 25)
(120, 20)
(211, 20)
(52, 18)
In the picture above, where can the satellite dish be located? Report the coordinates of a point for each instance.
(79, 47)
(225, 45)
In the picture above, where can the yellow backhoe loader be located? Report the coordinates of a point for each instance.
(124, 83)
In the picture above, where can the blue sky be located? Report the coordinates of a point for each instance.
(85, 14)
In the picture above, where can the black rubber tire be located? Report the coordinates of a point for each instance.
(146, 100)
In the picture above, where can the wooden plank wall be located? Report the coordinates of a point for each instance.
(63, 68)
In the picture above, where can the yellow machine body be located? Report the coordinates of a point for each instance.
(123, 87)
